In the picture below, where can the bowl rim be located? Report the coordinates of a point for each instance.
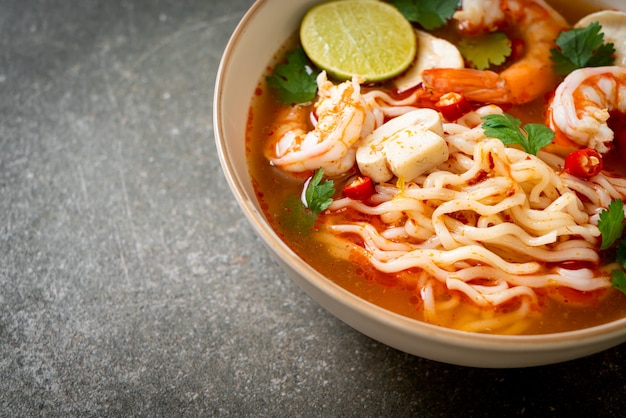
(314, 282)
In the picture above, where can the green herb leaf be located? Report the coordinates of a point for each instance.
(429, 14)
(581, 47)
(295, 80)
(319, 194)
(611, 223)
(539, 136)
(507, 129)
(618, 280)
(486, 50)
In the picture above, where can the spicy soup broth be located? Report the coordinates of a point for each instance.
(279, 195)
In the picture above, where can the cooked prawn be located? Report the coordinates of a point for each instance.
(582, 103)
(343, 118)
(523, 81)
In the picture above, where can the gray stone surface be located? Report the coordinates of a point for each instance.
(131, 284)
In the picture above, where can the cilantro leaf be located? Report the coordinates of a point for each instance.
(429, 14)
(618, 280)
(611, 223)
(507, 129)
(486, 50)
(319, 194)
(295, 80)
(539, 136)
(581, 47)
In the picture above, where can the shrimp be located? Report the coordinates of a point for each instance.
(523, 81)
(343, 117)
(582, 104)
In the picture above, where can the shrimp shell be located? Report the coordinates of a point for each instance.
(343, 117)
(582, 104)
(524, 80)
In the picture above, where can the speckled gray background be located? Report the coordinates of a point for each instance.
(131, 284)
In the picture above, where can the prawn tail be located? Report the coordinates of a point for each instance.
(475, 85)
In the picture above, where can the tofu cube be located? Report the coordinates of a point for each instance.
(414, 151)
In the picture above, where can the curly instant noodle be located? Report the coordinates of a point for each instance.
(493, 239)
(492, 223)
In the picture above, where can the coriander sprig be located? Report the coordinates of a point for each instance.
(294, 81)
(318, 194)
(611, 225)
(486, 50)
(508, 129)
(581, 47)
(429, 14)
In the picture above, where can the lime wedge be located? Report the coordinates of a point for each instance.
(366, 38)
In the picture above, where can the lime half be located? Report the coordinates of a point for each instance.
(366, 38)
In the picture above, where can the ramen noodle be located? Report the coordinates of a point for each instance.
(490, 239)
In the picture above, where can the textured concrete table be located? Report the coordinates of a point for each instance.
(131, 284)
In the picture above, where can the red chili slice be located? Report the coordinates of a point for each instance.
(361, 188)
(452, 106)
(583, 163)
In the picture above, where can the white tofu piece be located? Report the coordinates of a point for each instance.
(412, 152)
(373, 155)
(373, 164)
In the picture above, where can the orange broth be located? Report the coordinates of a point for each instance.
(279, 196)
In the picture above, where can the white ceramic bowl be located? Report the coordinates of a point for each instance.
(264, 28)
